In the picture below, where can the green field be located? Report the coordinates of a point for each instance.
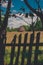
(8, 52)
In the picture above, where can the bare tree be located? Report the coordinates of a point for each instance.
(3, 32)
(38, 13)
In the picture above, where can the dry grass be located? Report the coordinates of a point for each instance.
(10, 36)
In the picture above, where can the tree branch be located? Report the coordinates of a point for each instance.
(6, 16)
(32, 9)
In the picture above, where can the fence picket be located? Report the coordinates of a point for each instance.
(30, 49)
(17, 58)
(36, 49)
(24, 48)
(12, 50)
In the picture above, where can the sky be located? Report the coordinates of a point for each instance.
(17, 4)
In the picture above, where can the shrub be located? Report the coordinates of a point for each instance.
(27, 28)
(38, 25)
(12, 29)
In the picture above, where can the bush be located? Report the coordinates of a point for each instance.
(38, 25)
(27, 28)
(8, 29)
(12, 29)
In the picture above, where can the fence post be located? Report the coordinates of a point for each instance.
(2, 36)
(36, 49)
(24, 48)
(12, 50)
(19, 42)
(30, 49)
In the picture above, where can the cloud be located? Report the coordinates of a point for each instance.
(14, 11)
(5, 4)
(22, 0)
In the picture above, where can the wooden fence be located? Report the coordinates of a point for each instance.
(24, 45)
(13, 44)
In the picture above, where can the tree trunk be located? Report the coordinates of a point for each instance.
(2, 49)
(3, 34)
(42, 23)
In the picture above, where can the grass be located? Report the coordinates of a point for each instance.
(8, 49)
(7, 56)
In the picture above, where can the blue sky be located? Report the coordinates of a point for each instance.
(17, 4)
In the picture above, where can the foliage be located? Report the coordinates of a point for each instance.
(12, 29)
(38, 25)
(27, 28)
(7, 56)
(7, 59)
(8, 29)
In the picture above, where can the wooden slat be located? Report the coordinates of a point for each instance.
(24, 49)
(36, 49)
(30, 49)
(18, 52)
(12, 50)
